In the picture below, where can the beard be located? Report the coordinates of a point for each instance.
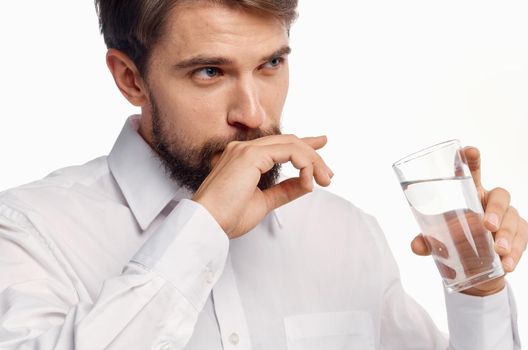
(189, 166)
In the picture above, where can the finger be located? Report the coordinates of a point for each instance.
(317, 142)
(472, 155)
(315, 169)
(459, 162)
(497, 203)
(264, 157)
(445, 271)
(322, 174)
(472, 253)
(309, 143)
(427, 245)
(518, 247)
(301, 157)
(436, 247)
(284, 192)
(306, 177)
(323, 171)
(419, 246)
(507, 231)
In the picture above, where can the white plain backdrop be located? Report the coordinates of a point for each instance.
(380, 78)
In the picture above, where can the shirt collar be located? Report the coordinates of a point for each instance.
(141, 176)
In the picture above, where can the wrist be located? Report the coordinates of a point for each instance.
(214, 214)
(488, 288)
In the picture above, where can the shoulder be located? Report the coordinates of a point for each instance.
(85, 180)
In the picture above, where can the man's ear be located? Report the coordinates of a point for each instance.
(126, 77)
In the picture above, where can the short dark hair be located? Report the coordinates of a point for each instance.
(135, 26)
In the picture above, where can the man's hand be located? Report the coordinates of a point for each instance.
(509, 230)
(230, 192)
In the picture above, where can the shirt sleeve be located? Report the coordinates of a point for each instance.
(482, 322)
(153, 304)
(475, 323)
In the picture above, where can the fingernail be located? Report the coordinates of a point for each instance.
(502, 243)
(508, 263)
(493, 219)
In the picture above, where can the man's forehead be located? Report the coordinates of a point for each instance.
(209, 29)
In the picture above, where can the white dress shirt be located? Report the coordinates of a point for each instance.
(114, 255)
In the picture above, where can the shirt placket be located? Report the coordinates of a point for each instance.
(229, 312)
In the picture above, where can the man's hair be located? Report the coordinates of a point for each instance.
(135, 26)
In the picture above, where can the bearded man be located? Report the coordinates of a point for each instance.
(185, 236)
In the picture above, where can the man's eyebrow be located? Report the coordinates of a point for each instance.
(198, 61)
(283, 51)
(204, 61)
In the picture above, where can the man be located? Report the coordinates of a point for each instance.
(184, 238)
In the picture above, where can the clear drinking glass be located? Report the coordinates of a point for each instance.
(440, 190)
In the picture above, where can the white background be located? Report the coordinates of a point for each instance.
(380, 78)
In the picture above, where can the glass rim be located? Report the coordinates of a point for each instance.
(425, 151)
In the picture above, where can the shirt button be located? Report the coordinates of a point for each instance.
(234, 338)
(167, 345)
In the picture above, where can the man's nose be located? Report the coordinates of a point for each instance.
(246, 109)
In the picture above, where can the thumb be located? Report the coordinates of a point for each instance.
(419, 246)
(472, 155)
(285, 192)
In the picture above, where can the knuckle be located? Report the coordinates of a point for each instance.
(231, 146)
(247, 151)
(295, 147)
(290, 146)
(300, 160)
(502, 191)
(308, 151)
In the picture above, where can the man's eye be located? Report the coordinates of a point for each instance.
(274, 62)
(207, 73)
